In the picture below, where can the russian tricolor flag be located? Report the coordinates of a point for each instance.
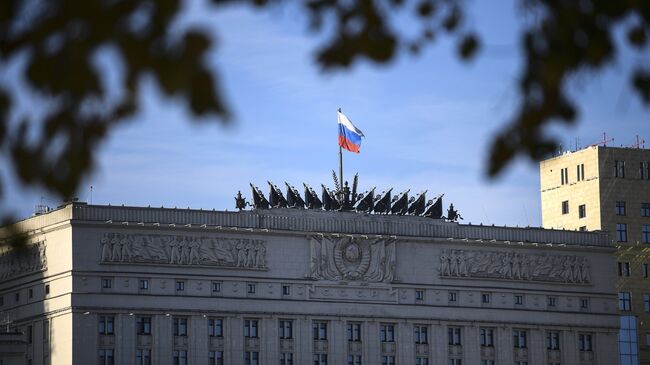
(349, 135)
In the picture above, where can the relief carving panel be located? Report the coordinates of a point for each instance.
(27, 260)
(182, 250)
(514, 266)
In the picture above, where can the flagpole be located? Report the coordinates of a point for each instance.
(340, 167)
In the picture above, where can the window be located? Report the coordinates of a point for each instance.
(487, 337)
(453, 336)
(552, 340)
(485, 298)
(216, 287)
(564, 176)
(106, 324)
(180, 357)
(17, 297)
(582, 228)
(584, 342)
(30, 293)
(645, 209)
(644, 269)
(215, 357)
(143, 357)
(250, 328)
(286, 358)
(624, 301)
(388, 360)
(143, 325)
(106, 357)
(620, 208)
(519, 338)
(215, 327)
(107, 283)
(552, 301)
(565, 207)
(623, 268)
(320, 330)
(354, 359)
(250, 288)
(286, 329)
(621, 232)
(619, 169)
(46, 330)
(180, 326)
(30, 334)
(645, 233)
(628, 341)
(452, 296)
(320, 359)
(354, 332)
(180, 285)
(286, 290)
(419, 295)
(251, 358)
(387, 333)
(455, 362)
(421, 361)
(519, 299)
(2, 301)
(580, 172)
(584, 303)
(487, 362)
(646, 302)
(644, 170)
(144, 284)
(47, 286)
(582, 211)
(421, 334)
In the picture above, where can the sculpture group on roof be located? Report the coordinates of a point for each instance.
(342, 198)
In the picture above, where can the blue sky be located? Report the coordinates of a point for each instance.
(428, 121)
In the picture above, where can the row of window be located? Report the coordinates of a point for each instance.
(143, 285)
(625, 302)
(624, 269)
(621, 232)
(30, 294)
(644, 169)
(621, 209)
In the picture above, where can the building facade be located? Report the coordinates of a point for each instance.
(129, 285)
(608, 189)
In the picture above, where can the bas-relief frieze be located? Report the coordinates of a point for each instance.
(182, 250)
(514, 266)
(348, 258)
(15, 262)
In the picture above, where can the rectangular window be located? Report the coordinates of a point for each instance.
(582, 211)
(30, 293)
(388, 360)
(421, 334)
(455, 362)
(354, 359)
(646, 303)
(180, 357)
(584, 342)
(628, 344)
(180, 326)
(107, 283)
(623, 268)
(320, 359)
(580, 172)
(387, 333)
(584, 303)
(47, 286)
(645, 270)
(286, 358)
(519, 299)
(286, 290)
(419, 295)
(215, 327)
(582, 228)
(30, 334)
(180, 285)
(453, 336)
(251, 358)
(644, 170)
(645, 233)
(421, 361)
(106, 357)
(621, 232)
(215, 357)
(645, 209)
(320, 330)
(565, 207)
(17, 297)
(144, 284)
(452, 296)
(250, 288)
(624, 301)
(250, 328)
(216, 287)
(354, 332)
(619, 169)
(519, 338)
(552, 340)
(106, 325)
(564, 176)
(46, 330)
(620, 208)
(285, 329)
(143, 325)
(143, 357)
(485, 298)
(489, 362)
(552, 301)
(487, 337)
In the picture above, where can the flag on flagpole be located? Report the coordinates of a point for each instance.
(349, 135)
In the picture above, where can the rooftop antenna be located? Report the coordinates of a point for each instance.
(577, 143)
(640, 143)
(603, 142)
(91, 195)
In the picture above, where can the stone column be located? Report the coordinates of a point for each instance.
(269, 340)
(504, 345)
(338, 344)
(303, 341)
(371, 353)
(198, 340)
(163, 340)
(536, 347)
(125, 339)
(471, 345)
(438, 339)
(234, 341)
(405, 343)
(569, 347)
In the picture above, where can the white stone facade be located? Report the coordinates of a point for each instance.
(126, 283)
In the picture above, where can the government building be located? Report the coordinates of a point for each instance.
(608, 189)
(139, 285)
